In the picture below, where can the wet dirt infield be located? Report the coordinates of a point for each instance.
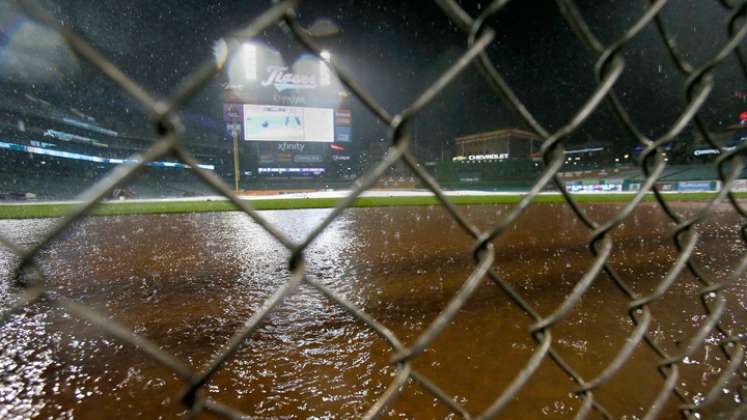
(188, 281)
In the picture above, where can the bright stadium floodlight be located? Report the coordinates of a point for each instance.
(249, 60)
(323, 28)
(325, 77)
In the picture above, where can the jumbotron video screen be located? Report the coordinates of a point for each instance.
(287, 123)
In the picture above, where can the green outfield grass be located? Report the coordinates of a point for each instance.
(40, 210)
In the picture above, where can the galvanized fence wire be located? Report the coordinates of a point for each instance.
(610, 64)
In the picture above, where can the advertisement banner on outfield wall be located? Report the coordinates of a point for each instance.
(696, 186)
(740, 185)
(666, 186)
(632, 186)
(594, 188)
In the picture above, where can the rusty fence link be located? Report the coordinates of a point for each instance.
(610, 63)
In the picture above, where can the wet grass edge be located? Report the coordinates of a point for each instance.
(112, 208)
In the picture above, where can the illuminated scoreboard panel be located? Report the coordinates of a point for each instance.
(288, 123)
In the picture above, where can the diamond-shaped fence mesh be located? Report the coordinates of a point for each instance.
(610, 63)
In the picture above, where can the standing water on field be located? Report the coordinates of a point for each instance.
(187, 282)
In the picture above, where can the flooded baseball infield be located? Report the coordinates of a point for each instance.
(187, 282)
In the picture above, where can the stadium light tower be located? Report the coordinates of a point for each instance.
(249, 60)
(325, 77)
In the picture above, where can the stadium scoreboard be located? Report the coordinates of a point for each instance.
(294, 118)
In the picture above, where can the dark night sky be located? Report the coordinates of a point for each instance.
(395, 49)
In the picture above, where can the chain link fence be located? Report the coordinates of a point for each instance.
(608, 69)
